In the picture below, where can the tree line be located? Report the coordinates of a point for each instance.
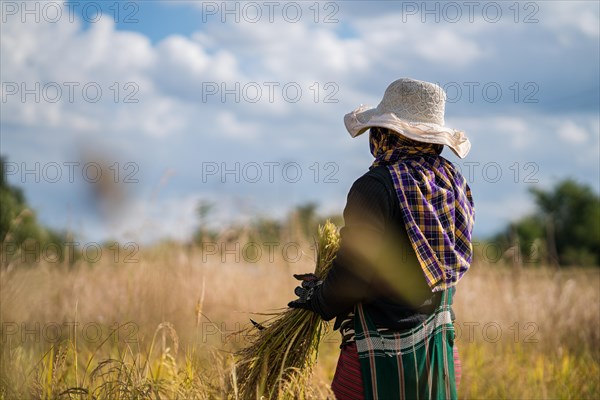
(564, 229)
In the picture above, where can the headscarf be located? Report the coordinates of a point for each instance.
(435, 202)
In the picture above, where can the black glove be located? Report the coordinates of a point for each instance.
(306, 291)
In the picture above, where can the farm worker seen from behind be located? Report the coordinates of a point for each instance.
(405, 245)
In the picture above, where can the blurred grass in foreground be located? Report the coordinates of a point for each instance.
(164, 327)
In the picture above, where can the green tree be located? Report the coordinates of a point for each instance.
(307, 218)
(267, 230)
(565, 226)
(204, 210)
(19, 228)
(571, 213)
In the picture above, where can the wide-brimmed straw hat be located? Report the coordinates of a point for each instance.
(414, 109)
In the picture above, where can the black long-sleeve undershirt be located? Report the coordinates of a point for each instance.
(376, 264)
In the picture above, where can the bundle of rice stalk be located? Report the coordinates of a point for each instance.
(283, 350)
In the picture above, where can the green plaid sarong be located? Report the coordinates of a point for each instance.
(416, 364)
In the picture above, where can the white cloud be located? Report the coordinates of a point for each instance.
(445, 46)
(590, 25)
(163, 118)
(570, 132)
(187, 61)
(286, 51)
(229, 125)
(582, 17)
(421, 42)
(515, 133)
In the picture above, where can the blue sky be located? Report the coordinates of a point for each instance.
(242, 105)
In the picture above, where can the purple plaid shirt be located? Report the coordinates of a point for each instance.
(435, 202)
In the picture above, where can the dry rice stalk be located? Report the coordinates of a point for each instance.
(281, 355)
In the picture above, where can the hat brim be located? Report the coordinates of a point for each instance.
(362, 119)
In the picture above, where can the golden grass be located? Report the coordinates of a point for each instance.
(282, 351)
(167, 328)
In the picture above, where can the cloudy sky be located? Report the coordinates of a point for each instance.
(241, 103)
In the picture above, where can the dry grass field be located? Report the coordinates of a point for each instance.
(164, 326)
